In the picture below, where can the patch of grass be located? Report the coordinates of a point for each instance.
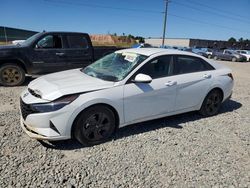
(121, 44)
(4, 43)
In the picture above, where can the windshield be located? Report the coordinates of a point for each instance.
(30, 39)
(115, 66)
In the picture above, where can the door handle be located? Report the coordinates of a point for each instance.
(60, 54)
(86, 53)
(170, 83)
(207, 76)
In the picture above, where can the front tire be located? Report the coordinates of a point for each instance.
(94, 125)
(11, 75)
(234, 59)
(211, 103)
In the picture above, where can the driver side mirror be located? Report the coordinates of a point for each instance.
(142, 78)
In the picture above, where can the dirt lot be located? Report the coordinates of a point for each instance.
(181, 151)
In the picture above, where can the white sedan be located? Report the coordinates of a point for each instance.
(122, 88)
(245, 53)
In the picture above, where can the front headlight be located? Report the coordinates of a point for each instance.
(55, 105)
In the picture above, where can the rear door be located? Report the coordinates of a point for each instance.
(193, 77)
(228, 55)
(79, 50)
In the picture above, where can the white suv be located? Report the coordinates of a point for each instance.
(245, 53)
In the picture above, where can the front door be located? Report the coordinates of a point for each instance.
(49, 55)
(145, 100)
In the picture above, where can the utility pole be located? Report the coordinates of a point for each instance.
(165, 21)
(5, 34)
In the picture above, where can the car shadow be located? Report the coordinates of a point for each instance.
(138, 128)
(28, 79)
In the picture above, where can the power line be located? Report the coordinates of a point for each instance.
(220, 10)
(101, 6)
(206, 23)
(138, 10)
(210, 12)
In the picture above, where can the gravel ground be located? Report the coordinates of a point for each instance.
(180, 151)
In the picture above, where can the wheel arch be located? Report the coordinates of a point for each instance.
(14, 61)
(116, 114)
(219, 89)
(210, 90)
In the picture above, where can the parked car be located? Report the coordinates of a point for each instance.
(17, 41)
(47, 52)
(208, 52)
(228, 55)
(124, 87)
(199, 51)
(142, 45)
(244, 53)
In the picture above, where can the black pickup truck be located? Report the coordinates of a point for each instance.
(47, 52)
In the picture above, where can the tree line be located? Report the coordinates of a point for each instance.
(232, 39)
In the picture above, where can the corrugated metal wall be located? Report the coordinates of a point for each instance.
(215, 44)
(10, 34)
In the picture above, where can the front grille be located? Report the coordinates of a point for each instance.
(26, 109)
(32, 92)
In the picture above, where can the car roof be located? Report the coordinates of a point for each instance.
(155, 51)
(63, 32)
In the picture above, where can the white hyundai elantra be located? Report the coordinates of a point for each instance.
(122, 88)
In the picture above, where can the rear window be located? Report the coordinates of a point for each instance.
(189, 64)
(77, 41)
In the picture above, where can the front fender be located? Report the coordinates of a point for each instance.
(79, 109)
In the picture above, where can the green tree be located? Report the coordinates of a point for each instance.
(241, 39)
(232, 40)
(140, 39)
(131, 36)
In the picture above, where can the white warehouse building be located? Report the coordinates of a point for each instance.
(202, 43)
(157, 42)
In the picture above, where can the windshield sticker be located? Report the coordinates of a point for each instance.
(131, 57)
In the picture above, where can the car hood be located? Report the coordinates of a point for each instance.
(53, 86)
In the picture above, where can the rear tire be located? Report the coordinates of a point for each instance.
(11, 75)
(216, 58)
(94, 125)
(211, 103)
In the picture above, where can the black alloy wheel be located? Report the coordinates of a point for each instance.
(211, 103)
(94, 125)
(11, 75)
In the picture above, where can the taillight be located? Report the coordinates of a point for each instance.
(231, 76)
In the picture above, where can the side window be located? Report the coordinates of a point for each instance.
(157, 68)
(77, 41)
(50, 41)
(189, 64)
